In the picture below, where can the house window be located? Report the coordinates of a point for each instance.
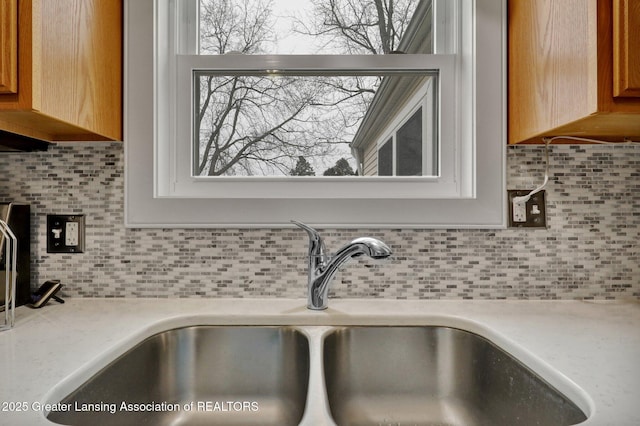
(385, 158)
(402, 154)
(409, 146)
(217, 166)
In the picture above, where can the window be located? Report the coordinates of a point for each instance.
(385, 159)
(406, 158)
(244, 115)
(409, 147)
(434, 154)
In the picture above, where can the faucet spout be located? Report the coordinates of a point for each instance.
(322, 267)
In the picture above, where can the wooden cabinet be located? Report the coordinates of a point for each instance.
(61, 69)
(8, 46)
(574, 69)
(626, 48)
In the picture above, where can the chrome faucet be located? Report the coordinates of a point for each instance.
(323, 267)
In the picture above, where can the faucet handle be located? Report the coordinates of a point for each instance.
(312, 232)
(316, 244)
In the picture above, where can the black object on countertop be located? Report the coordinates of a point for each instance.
(47, 291)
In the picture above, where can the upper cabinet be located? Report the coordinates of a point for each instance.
(8, 46)
(626, 48)
(61, 69)
(574, 69)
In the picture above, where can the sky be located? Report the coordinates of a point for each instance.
(290, 42)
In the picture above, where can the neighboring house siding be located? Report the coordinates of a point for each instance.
(371, 160)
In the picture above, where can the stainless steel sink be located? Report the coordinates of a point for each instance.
(369, 375)
(232, 375)
(434, 376)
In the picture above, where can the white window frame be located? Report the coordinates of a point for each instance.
(477, 174)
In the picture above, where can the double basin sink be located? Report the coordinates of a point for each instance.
(316, 375)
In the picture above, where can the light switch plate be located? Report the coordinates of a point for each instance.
(65, 233)
(532, 214)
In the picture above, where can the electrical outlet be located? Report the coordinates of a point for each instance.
(65, 233)
(519, 212)
(529, 214)
(71, 234)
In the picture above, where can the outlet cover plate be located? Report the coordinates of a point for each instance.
(57, 239)
(535, 211)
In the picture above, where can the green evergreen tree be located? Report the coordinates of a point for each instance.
(303, 168)
(342, 168)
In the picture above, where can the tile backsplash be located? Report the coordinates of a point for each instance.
(590, 249)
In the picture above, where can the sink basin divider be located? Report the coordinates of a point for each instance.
(317, 411)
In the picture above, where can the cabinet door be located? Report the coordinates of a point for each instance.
(8, 46)
(626, 48)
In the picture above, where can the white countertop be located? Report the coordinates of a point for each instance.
(588, 350)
